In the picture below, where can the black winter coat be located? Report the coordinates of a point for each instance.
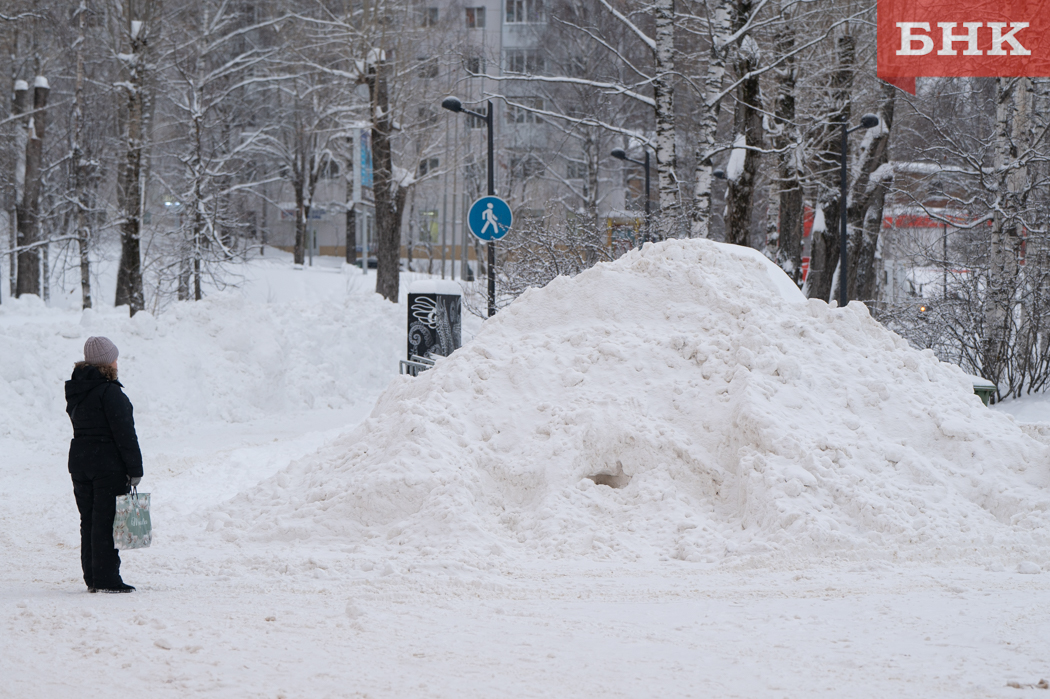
(104, 440)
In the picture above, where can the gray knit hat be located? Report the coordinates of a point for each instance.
(100, 351)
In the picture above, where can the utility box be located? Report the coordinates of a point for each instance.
(435, 311)
(984, 388)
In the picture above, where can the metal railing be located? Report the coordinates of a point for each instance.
(415, 365)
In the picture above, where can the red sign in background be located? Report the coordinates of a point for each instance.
(913, 40)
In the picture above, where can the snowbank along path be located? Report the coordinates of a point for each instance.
(682, 402)
(221, 359)
(226, 391)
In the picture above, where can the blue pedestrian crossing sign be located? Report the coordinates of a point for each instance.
(490, 218)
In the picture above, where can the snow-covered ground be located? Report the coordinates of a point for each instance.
(813, 508)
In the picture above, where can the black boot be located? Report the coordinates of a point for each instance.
(119, 587)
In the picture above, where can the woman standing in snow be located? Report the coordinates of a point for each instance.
(104, 459)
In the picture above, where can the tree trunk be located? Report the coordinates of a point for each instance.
(1036, 273)
(79, 167)
(788, 206)
(29, 208)
(130, 181)
(45, 271)
(867, 202)
(663, 93)
(413, 223)
(708, 126)
(302, 215)
(747, 122)
(185, 260)
(351, 234)
(388, 212)
(198, 242)
(591, 147)
(1012, 117)
(19, 106)
(825, 253)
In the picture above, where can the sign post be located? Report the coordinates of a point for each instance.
(489, 219)
(454, 105)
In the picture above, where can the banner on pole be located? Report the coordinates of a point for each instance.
(968, 38)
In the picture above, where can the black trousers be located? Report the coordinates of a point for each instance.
(97, 501)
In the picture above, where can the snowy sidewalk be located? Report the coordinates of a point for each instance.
(951, 632)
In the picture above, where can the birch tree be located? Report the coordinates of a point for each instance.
(135, 24)
(80, 167)
(580, 124)
(663, 94)
(1013, 121)
(656, 76)
(747, 130)
(407, 59)
(980, 146)
(867, 200)
(824, 256)
(787, 205)
(717, 32)
(217, 75)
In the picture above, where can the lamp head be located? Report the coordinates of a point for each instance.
(452, 104)
(719, 174)
(869, 121)
(619, 154)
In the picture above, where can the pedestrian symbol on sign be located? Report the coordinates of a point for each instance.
(490, 218)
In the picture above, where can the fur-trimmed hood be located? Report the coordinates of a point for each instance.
(87, 377)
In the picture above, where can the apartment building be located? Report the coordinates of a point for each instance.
(480, 51)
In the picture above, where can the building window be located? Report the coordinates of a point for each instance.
(576, 111)
(521, 11)
(526, 166)
(475, 65)
(577, 66)
(526, 61)
(428, 227)
(475, 18)
(329, 170)
(427, 116)
(428, 67)
(428, 165)
(521, 112)
(429, 17)
(576, 170)
(474, 173)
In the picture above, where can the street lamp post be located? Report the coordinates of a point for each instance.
(453, 104)
(620, 154)
(868, 121)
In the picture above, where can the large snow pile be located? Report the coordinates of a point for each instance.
(745, 421)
